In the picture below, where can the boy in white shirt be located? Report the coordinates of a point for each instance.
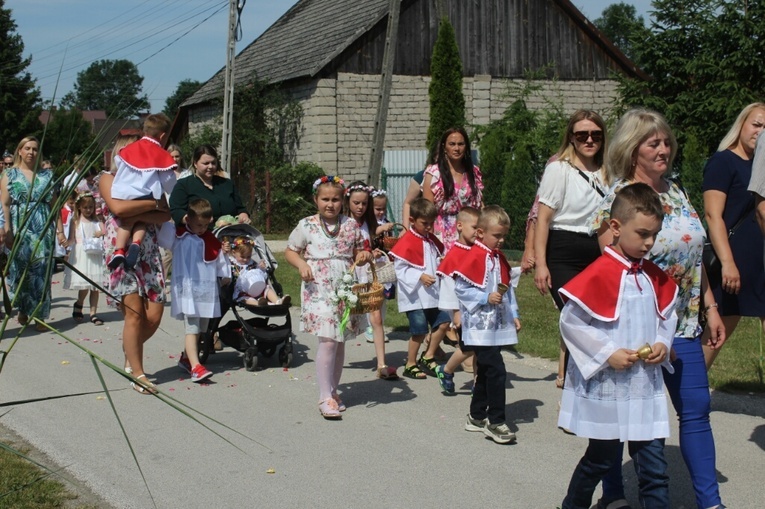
(490, 320)
(416, 257)
(618, 323)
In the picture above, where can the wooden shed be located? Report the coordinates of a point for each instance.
(328, 54)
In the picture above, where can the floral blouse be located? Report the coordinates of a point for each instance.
(677, 250)
(446, 222)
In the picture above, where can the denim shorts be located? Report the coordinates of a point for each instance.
(419, 319)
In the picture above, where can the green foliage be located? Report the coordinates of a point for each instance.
(621, 24)
(19, 98)
(66, 135)
(291, 195)
(265, 135)
(692, 171)
(111, 85)
(447, 104)
(184, 90)
(514, 152)
(209, 134)
(704, 57)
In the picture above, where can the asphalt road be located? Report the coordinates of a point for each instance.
(399, 444)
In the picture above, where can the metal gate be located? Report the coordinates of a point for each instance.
(399, 166)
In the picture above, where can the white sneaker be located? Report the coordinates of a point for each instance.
(368, 334)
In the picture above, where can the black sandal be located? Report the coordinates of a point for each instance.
(77, 315)
(414, 373)
(95, 320)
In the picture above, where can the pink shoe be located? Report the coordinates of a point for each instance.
(340, 405)
(329, 410)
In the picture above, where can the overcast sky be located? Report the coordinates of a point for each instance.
(169, 40)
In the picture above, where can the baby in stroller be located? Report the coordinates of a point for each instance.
(251, 288)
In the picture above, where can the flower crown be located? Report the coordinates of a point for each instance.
(377, 193)
(80, 196)
(327, 179)
(359, 187)
(243, 241)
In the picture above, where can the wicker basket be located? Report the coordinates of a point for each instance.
(370, 295)
(389, 242)
(386, 272)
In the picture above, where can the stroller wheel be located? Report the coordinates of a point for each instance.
(268, 352)
(250, 359)
(285, 357)
(205, 346)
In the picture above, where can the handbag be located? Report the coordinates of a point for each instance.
(712, 263)
(92, 245)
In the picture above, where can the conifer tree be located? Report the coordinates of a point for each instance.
(447, 104)
(19, 97)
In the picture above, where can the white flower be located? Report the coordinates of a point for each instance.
(348, 279)
(342, 293)
(353, 299)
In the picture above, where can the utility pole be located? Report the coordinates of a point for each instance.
(383, 99)
(228, 88)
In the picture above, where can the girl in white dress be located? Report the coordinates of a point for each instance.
(83, 229)
(323, 247)
(358, 200)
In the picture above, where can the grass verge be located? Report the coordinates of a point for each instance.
(739, 367)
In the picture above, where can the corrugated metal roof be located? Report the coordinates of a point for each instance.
(300, 43)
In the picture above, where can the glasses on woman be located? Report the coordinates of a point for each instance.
(583, 136)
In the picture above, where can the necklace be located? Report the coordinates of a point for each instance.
(329, 233)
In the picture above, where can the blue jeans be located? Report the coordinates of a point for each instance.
(602, 455)
(688, 389)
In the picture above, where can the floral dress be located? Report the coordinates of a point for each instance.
(329, 258)
(677, 250)
(146, 278)
(29, 272)
(446, 222)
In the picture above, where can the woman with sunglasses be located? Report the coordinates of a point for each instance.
(570, 191)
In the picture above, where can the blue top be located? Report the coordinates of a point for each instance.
(729, 173)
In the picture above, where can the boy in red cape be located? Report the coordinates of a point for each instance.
(490, 320)
(618, 323)
(415, 258)
(144, 171)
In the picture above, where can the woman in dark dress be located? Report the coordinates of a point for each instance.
(728, 204)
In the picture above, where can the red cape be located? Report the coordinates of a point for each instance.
(598, 288)
(410, 248)
(475, 265)
(453, 258)
(147, 154)
(212, 244)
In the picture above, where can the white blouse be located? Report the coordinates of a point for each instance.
(573, 198)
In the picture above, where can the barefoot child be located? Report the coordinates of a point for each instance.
(357, 201)
(614, 389)
(323, 247)
(199, 267)
(416, 257)
(144, 171)
(489, 321)
(251, 286)
(467, 226)
(84, 227)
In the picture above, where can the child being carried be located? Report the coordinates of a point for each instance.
(251, 286)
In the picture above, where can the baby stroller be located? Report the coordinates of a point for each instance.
(257, 335)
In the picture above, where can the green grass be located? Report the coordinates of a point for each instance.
(737, 368)
(23, 485)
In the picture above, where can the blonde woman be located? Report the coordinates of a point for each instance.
(729, 207)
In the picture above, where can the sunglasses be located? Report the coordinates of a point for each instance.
(583, 136)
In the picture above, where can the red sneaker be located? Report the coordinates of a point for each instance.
(199, 373)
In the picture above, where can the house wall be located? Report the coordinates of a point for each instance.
(338, 124)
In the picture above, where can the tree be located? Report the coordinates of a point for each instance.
(185, 89)
(110, 85)
(66, 135)
(704, 60)
(621, 24)
(19, 97)
(447, 104)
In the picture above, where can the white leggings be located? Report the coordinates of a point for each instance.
(195, 324)
(330, 357)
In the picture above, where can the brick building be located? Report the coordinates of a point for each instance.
(328, 54)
